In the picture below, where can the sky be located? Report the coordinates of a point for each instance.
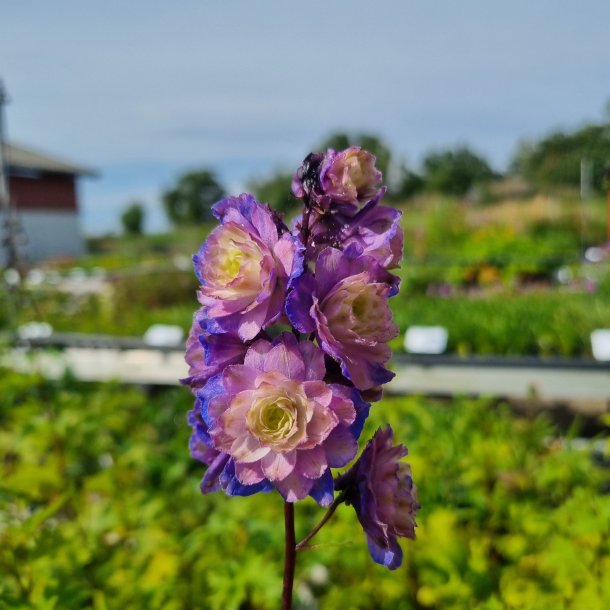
(143, 91)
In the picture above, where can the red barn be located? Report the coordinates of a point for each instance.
(44, 193)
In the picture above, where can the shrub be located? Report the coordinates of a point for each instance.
(537, 323)
(100, 508)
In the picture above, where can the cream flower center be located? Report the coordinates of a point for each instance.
(234, 267)
(229, 263)
(277, 421)
(363, 309)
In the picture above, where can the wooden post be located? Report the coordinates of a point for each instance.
(608, 219)
(607, 183)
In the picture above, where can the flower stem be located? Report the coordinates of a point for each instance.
(305, 228)
(329, 513)
(290, 556)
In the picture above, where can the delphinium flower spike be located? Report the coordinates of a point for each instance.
(278, 410)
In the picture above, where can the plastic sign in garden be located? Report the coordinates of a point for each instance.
(290, 347)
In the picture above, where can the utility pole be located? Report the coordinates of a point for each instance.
(607, 181)
(586, 181)
(4, 184)
(9, 226)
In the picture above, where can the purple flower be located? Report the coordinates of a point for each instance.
(279, 423)
(207, 354)
(200, 442)
(350, 177)
(378, 233)
(342, 181)
(220, 473)
(381, 490)
(346, 305)
(244, 268)
(376, 230)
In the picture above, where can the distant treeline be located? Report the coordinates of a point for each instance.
(551, 162)
(554, 161)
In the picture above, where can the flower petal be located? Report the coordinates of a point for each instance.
(210, 480)
(311, 463)
(238, 377)
(286, 359)
(294, 487)
(255, 356)
(249, 474)
(341, 447)
(320, 392)
(299, 302)
(232, 487)
(322, 490)
(313, 357)
(248, 449)
(277, 466)
(390, 557)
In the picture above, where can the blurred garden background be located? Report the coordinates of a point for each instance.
(100, 506)
(492, 128)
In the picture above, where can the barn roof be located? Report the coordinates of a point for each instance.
(22, 158)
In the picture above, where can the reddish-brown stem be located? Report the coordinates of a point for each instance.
(305, 227)
(329, 513)
(290, 556)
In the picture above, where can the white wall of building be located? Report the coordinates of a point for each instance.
(51, 234)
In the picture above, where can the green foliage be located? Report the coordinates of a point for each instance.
(555, 160)
(454, 172)
(536, 323)
(7, 306)
(156, 290)
(407, 184)
(100, 508)
(490, 281)
(125, 314)
(132, 219)
(191, 198)
(491, 285)
(276, 192)
(118, 252)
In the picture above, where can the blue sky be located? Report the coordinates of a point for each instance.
(142, 91)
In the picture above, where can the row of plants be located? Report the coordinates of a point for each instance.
(516, 238)
(507, 322)
(536, 323)
(100, 508)
(519, 241)
(504, 279)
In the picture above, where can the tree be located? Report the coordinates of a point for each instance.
(338, 141)
(454, 172)
(132, 218)
(276, 192)
(191, 199)
(556, 159)
(407, 184)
